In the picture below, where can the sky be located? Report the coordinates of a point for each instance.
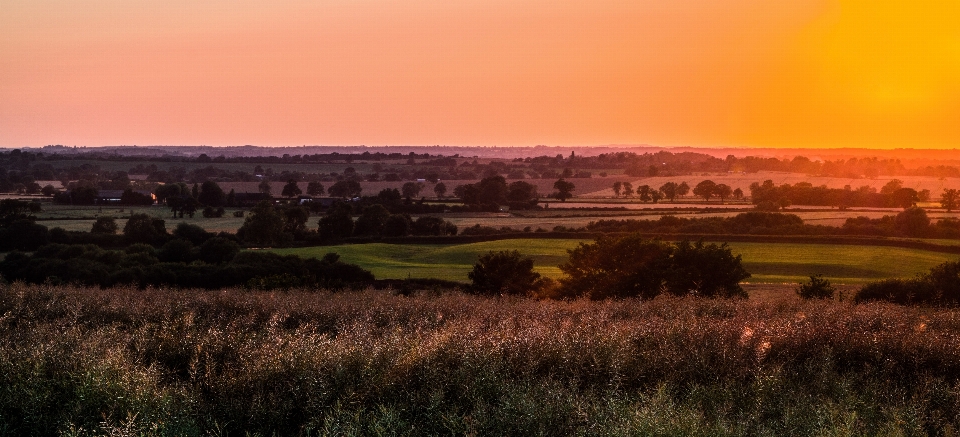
(706, 73)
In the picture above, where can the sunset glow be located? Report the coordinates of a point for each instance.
(849, 73)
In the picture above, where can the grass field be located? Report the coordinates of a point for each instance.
(769, 263)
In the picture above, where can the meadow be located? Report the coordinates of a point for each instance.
(768, 263)
(86, 362)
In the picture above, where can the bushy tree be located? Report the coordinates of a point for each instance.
(263, 226)
(371, 221)
(265, 187)
(211, 194)
(522, 192)
(950, 199)
(669, 190)
(564, 189)
(345, 189)
(504, 272)
(705, 189)
(440, 189)
(336, 224)
(411, 189)
(104, 225)
(397, 225)
(291, 189)
(315, 188)
(141, 228)
(192, 233)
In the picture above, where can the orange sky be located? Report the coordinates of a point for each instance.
(817, 73)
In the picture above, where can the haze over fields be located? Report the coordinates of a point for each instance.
(725, 73)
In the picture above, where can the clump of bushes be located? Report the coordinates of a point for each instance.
(941, 287)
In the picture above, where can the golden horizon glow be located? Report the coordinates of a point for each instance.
(744, 73)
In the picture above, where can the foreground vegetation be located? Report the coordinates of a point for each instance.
(767, 262)
(79, 361)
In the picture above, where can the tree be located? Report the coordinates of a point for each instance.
(564, 189)
(263, 227)
(211, 194)
(166, 191)
(522, 192)
(48, 190)
(492, 189)
(669, 190)
(817, 288)
(616, 188)
(644, 192)
(433, 226)
(411, 189)
(397, 225)
(291, 189)
(345, 189)
(371, 221)
(656, 195)
(912, 222)
(315, 188)
(891, 187)
(183, 204)
(294, 218)
(631, 266)
(738, 194)
(705, 189)
(104, 225)
(683, 189)
(440, 190)
(613, 267)
(504, 272)
(723, 191)
(337, 224)
(707, 270)
(265, 187)
(142, 228)
(950, 199)
(627, 189)
(468, 194)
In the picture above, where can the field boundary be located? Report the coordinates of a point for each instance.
(738, 238)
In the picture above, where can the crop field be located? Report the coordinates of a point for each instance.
(743, 181)
(81, 218)
(122, 361)
(769, 263)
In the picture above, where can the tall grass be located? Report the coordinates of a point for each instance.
(79, 361)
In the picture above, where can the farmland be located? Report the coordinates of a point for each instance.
(784, 262)
(121, 361)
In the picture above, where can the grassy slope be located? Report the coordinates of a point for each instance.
(767, 262)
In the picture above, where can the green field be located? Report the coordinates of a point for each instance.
(769, 263)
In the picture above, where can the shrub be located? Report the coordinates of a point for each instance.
(817, 288)
(104, 225)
